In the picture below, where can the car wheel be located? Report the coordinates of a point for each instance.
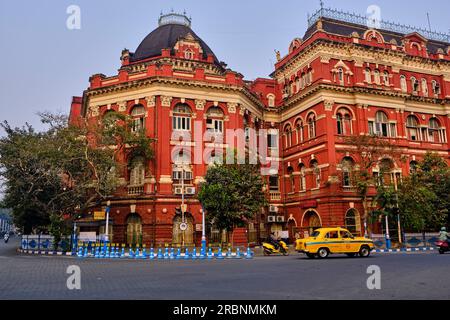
(441, 251)
(323, 253)
(310, 255)
(364, 251)
(351, 255)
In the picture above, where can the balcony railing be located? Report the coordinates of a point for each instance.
(135, 190)
(275, 195)
(383, 25)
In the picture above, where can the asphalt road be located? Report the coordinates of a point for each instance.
(403, 276)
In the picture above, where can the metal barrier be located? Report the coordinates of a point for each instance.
(44, 243)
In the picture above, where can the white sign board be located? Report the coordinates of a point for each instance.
(87, 236)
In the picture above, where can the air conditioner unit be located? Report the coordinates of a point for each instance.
(280, 219)
(271, 219)
(178, 190)
(190, 190)
(273, 208)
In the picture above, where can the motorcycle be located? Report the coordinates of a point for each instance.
(6, 238)
(270, 248)
(443, 246)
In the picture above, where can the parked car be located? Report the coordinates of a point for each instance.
(326, 241)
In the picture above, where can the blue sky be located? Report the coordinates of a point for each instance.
(43, 64)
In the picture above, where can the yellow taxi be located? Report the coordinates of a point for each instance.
(326, 241)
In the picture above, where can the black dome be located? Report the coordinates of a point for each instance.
(165, 37)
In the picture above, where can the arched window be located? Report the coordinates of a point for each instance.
(288, 136)
(344, 122)
(386, 176)
(368, 75)
(299, 130)
(403, 84)
(181, 120)
(376, 76)
(302, 170)
(347, 165)
(214, 120)
(412, 124)
(304, 80)
(415, 85)
(188, 54)
(436, 87)
(381, 125)
(312, 125)
(434, 132)
(386, 78)
(425, 87)
(134, 230)
(138, 114)
(341, 76)
(316, 173)
(309, 77)
(353, 222)
(137, 172)
(297, 84)
(290, 172)
(271, 100)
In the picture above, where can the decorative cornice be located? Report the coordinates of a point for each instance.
(329, 105)
(122, 106)
(200, 104)
(151, 101)
(232, 107)
(166, 101)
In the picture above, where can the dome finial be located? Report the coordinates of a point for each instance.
(175, 18)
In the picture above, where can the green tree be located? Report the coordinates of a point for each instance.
(232, 195)
(422, 198)
(63, 170)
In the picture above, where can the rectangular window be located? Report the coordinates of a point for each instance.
(371, 131)
(272, 141)
(273, 182)
(393, 130)
(384, 130)
(346, 179)
(181, 123)
(177, 175)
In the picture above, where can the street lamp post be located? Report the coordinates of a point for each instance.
(182, 201)
(388, 239)
(108, 204)
(203, 231)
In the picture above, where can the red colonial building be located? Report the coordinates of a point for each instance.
(342, 78)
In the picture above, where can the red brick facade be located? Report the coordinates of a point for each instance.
(331, 84)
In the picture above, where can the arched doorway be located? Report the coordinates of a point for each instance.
(134, 230)
(292, 228)
(311, 221)
(353, 221)
(187, 235)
